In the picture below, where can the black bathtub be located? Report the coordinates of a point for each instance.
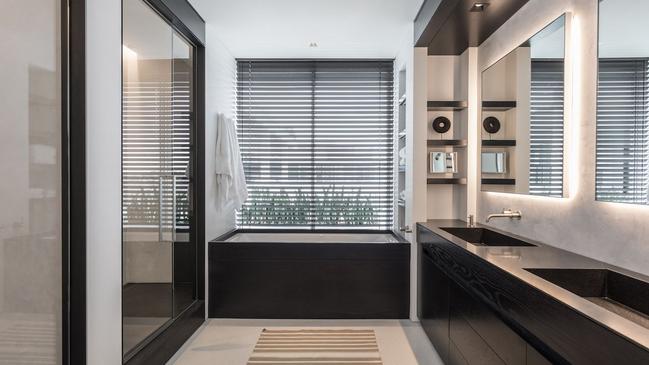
(309, 275)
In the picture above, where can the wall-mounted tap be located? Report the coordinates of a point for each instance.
(507, 213)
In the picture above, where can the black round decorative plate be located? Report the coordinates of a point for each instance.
(491, 125)
(441, 124)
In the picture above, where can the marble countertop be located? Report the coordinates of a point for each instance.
(515, 260)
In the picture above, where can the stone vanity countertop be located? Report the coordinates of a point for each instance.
(514, 260)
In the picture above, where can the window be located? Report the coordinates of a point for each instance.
(623, 131)
(316, 141)
(546, 128)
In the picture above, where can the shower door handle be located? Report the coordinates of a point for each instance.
(174, 201)
(160, 210)
(161, 195)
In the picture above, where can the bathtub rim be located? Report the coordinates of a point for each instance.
(224, 237)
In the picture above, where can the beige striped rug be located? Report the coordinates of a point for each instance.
(316, 346)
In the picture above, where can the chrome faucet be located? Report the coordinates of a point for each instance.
(471, 221)
(507, 213)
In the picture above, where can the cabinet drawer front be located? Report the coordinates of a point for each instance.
(471, 345)
(434, 305)
(502, 339)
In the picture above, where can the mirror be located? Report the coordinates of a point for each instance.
(622, 171)
(522, 119)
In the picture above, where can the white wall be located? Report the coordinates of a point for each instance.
(607, 231)
(103, 173)
(405, 60)
(220, 83)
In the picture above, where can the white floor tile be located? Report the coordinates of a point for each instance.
(231, 341)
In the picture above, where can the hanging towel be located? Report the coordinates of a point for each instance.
(230, 178)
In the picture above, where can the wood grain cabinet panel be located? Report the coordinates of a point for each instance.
(474, 349)
(434, 305)
(535, 358)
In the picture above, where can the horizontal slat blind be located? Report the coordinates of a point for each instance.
(623, 131)
(316, 143)
(546, 128)
(155, 146)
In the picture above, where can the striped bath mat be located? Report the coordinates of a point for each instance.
(316, 347)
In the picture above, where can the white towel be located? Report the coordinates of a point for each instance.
(230, 178)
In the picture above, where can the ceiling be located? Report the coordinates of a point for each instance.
(285, 28)
(450, 27)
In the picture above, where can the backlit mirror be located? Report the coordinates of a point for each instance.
(522, 123)
(622, 173)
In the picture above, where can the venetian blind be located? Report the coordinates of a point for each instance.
(546, 128)
(623, 131)
(316, 140)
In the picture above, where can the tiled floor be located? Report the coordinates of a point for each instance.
(231, 341)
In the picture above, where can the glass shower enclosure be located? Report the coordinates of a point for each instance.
(159, 254)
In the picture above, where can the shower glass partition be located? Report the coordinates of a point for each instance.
(159, 255)
(31, 188)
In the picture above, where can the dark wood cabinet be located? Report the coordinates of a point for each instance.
(462, 328)
(478, 334)
(455, 356)
(434, 305)
(535, 358)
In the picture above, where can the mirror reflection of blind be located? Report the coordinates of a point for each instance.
(155, 145)
(623, 131)
(546, 128)
(316, 140)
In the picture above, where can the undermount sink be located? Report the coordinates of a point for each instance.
(485, 237)
(618, 293)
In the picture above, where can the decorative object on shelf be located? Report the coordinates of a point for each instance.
(441, 124)
(443, 163)
(491, 125)
(494, 162)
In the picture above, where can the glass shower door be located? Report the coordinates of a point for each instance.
(184, 269)
(31, 241)
(159, 262)
(147, 174)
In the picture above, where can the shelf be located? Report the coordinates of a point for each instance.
(447, 105)
(447, 181)
(498, 105)
(495, 181)
(447, 142)
(498, 142)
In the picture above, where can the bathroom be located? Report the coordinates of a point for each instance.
(325, 182)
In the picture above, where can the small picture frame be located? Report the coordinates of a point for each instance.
(494, 162)
(442, 162)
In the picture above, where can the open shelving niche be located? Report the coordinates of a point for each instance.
(503, 141)
(447, 95)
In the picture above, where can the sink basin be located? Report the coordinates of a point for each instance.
(618, 293)
(485, 237)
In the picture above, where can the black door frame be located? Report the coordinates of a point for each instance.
(165, 342)
(73, 184)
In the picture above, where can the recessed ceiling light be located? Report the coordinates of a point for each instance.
(479, 7)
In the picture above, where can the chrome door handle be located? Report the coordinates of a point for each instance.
(160, 201)
(173, 208)
(161, 207)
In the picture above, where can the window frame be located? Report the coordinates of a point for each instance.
(389, 144)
